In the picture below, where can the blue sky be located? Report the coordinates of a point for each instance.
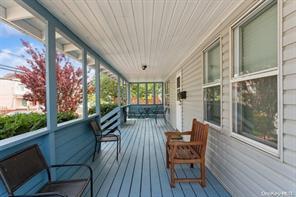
(12, 52)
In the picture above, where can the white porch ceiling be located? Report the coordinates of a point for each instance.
(130, 33)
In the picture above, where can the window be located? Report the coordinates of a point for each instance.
(69, 73)
(91, 85)
(134, 93)
(150, 94)
(158, 93)
(212, 86)
(22, 72)
(142, 93)
(255, 81)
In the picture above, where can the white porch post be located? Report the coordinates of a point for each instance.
(84, 84)
(98, 81)
(51, 91)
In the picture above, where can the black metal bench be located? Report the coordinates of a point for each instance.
(20, 167)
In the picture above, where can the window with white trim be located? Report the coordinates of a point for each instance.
(212, 84)
(255, 77)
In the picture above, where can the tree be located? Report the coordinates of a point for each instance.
(108, 89)
(69, 80)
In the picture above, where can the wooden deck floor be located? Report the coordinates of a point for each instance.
(141, 170)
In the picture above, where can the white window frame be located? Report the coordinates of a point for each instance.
(205, 85)
(276, 71)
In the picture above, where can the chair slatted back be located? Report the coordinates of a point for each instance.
(199, 133)
(20, 167)
(96, 129)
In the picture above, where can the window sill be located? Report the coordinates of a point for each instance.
(255, 144)
(18, 139)
(213, 126)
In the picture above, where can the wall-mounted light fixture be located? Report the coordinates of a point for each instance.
(144, 67)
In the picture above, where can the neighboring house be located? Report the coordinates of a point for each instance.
(11, 96)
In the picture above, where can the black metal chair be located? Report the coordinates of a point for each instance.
(160, 111)
(141, 111)
(20, 167)
(132, 111)
(104, 136)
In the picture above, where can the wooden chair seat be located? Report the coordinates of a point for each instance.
(66, 188)
(184, 153)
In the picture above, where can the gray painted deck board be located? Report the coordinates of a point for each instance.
(141, 170)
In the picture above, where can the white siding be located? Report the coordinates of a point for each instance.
(289, 85)
(244, 170)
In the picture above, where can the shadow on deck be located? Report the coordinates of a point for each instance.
(141, 170)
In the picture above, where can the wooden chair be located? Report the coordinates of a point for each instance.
(191, 152)
(100, 136)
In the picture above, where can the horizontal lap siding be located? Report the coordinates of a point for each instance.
(289, 81)
(191, 82)
(74, 144)
(243, 169)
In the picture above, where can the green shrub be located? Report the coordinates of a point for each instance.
(66, 116)
(92, 110)
(21, 123)
(106, 108)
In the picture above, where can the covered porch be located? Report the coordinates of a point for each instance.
(145, 67)
(141, 168)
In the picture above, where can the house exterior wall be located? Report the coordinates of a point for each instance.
(243, 169)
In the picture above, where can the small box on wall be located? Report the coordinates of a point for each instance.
(182, 95)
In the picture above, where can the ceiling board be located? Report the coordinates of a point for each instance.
(130, 33)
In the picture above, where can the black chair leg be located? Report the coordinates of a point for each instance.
(94, 154)
(117, 151)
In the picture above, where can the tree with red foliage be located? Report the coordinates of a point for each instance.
(69, 80)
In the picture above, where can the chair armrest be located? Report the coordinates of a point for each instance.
(73, 165)
(170, 134)
(182, 143)
(41, 194)
(167, 133)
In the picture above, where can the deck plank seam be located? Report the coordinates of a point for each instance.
(120, 162)
(112, 164)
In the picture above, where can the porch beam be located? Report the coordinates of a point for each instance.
(17, 13)
(70, 47)
(41, 10)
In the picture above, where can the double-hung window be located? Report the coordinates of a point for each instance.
(255, 78)
(212, 84)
